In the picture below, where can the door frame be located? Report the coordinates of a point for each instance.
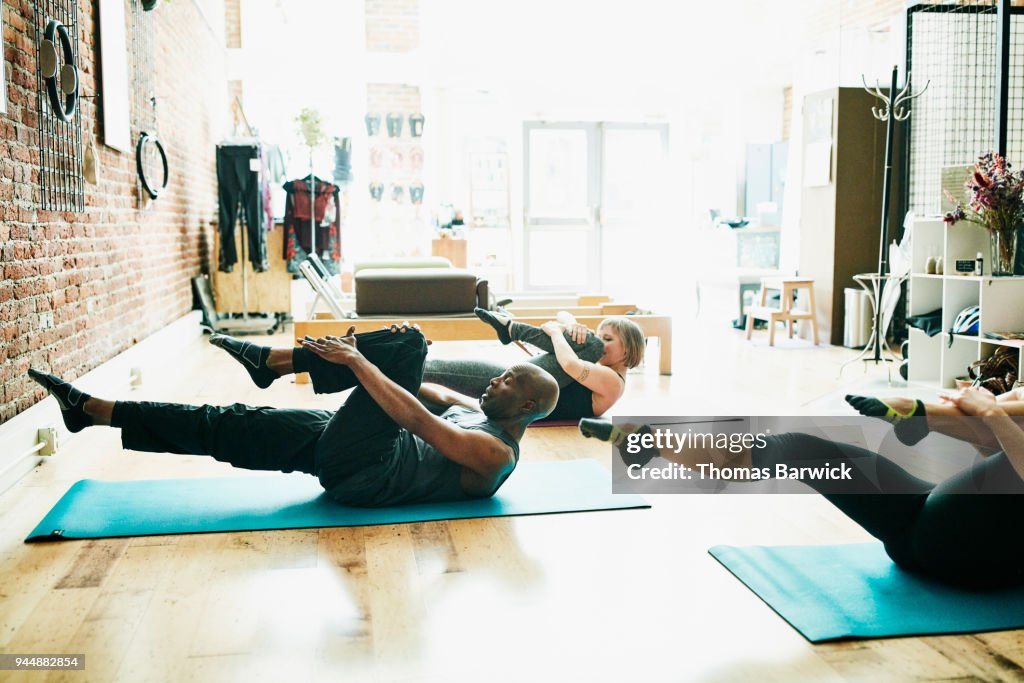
(589, 223)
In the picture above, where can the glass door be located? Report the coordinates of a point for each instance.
(638, 243)
(596, 207)
(561, 244)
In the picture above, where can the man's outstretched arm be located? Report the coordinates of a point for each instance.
(443, 396)
(475, 450)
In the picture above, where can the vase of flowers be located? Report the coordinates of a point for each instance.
(996, 203)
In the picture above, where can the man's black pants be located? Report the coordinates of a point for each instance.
(338, 447)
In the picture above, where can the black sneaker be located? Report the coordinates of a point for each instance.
(501, 328)
(253, 358)
(70, 400)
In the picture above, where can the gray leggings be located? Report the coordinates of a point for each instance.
(471, 377)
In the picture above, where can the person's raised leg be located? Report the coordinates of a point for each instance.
(913, 420)
(880, 496)
(254, 438)
(244, 436)
(591, 349)
(389, 349)
(469, 377)
(361, 432)
(265, 364)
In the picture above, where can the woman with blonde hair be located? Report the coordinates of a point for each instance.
(590, 367)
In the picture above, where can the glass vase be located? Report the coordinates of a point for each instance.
(1004, 252)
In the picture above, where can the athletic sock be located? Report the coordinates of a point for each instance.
(252, 357)
(70, 400)
(908, 431)
(500, 327)
(603, 430)
(606, 431)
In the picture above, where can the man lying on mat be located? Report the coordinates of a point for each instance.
(965, 530)
(382, 447)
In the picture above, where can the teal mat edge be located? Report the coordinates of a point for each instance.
(48, 529)
(720, 553)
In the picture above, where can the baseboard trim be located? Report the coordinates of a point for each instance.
(18, 435)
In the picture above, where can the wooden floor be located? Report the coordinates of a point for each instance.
(624, 596)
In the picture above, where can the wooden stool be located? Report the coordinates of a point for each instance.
(787, 286)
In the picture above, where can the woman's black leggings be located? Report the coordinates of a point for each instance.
(965, 530)
(471, 377)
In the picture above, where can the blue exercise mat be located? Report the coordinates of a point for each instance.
(102, 509)
(855, 591)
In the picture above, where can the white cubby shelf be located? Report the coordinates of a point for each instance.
(940, 360)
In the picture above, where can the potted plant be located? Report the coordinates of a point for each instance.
(996, 202)
(311, 127)
(311, 130)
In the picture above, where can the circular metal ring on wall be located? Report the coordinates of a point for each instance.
(62, 84)
(140, 148)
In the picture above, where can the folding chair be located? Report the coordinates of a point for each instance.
(312, 268)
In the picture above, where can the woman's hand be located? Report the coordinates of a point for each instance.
(337, 350)
(578, 332)
(552, 328)
(975, 401)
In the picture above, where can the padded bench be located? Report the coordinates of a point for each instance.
(420, 286)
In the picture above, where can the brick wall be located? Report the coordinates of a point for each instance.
(392, 25)
(396, 224)
(78, 288)
(232, 23)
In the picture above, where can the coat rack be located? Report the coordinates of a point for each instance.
(893, 108)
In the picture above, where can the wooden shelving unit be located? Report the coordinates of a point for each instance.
(940, 360)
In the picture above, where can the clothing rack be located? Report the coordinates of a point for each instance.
(245, 325)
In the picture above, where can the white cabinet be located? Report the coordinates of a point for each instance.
(937, 360)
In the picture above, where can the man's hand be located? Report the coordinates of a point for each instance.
(337, 350)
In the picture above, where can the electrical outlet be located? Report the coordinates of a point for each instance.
(48, 437)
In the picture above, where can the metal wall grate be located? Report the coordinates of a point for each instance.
(143, 96)
(143, 93)
(60, 142)
(953, 45)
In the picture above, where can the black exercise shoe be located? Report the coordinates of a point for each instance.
(253, 358)
(502, 328)
(592, 427)
(70, 400)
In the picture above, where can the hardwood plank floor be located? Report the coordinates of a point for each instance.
(629, 595)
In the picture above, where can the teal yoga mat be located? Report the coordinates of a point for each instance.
(828, 592)
(102, 509)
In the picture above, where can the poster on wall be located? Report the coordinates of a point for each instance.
(117, 131)
(3, 64)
